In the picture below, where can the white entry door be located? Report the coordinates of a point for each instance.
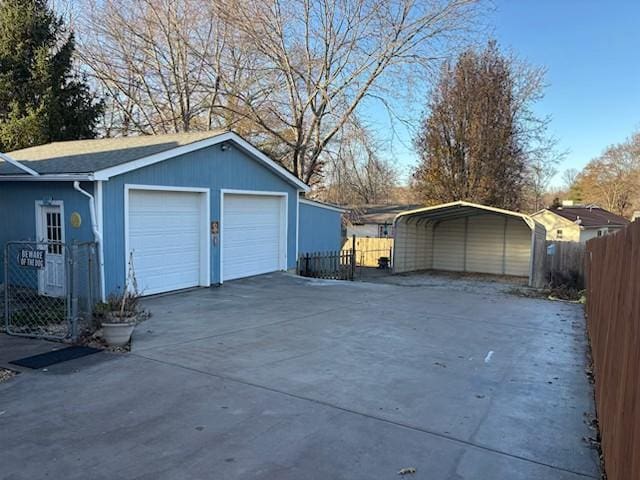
(167, 236)
(253, 234)
(50, 231)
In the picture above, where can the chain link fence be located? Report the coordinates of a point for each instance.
(85, 286)
(49, 288)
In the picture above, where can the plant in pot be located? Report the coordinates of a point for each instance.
(120, 314)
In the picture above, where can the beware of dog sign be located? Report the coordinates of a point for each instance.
(32, 258)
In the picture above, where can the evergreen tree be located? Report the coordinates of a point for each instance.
(41, 98)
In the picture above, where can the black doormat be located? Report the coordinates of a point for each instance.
(57, 356)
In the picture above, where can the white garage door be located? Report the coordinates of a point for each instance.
(254, 232)
(165, 232)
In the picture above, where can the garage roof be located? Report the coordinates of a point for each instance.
(87, 156)
(459, 209)
(100, 159)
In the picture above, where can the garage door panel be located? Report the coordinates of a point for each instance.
(165, 231)
(253, 235)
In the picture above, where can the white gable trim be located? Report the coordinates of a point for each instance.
(107, 173)
(17, 164)
(322, 205)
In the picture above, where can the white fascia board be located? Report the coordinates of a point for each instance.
(58, 177)
(322, 205)
(107, 173)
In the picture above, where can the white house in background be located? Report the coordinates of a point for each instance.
(578, 223)
(374, 221)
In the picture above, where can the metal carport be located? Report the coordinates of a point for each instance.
(467, 237)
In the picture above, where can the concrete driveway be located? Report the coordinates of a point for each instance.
(279, 377)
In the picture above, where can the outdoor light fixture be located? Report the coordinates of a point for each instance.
(224, 146)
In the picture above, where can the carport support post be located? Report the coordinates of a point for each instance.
(504, 246)
(466, 241)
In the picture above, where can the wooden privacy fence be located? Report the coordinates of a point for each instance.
(338, 265)
(564, 264)
(613, 320)
(369, 250)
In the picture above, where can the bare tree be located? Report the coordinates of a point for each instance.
(539, 173)
(612, 180)
(140, 54)
(314, 62)
(569, 177)
(355, 172)
(289, 74)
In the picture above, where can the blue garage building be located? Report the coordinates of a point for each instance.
(186, 210)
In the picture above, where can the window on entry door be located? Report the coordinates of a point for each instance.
(53, 231)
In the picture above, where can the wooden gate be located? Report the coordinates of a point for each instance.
(370, 250)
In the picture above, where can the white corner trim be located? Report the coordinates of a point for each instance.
(221, 235)
(107, 173)
(205, 210)
(297, 224)
(284, 216)
(313, 203)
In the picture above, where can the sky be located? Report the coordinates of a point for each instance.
(591, 51)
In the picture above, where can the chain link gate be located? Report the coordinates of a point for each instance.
(49, 289)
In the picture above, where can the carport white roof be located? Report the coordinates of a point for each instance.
(459, 209)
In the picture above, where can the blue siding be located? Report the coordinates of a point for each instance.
(320, 229)
(18, 211)
(207, 168)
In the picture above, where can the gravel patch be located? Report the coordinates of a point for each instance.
(466, 282)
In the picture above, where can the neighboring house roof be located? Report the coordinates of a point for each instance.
(106, 157)
(460, 209)
(589, 216)
(378, 214)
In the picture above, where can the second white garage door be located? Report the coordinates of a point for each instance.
(253, 235)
